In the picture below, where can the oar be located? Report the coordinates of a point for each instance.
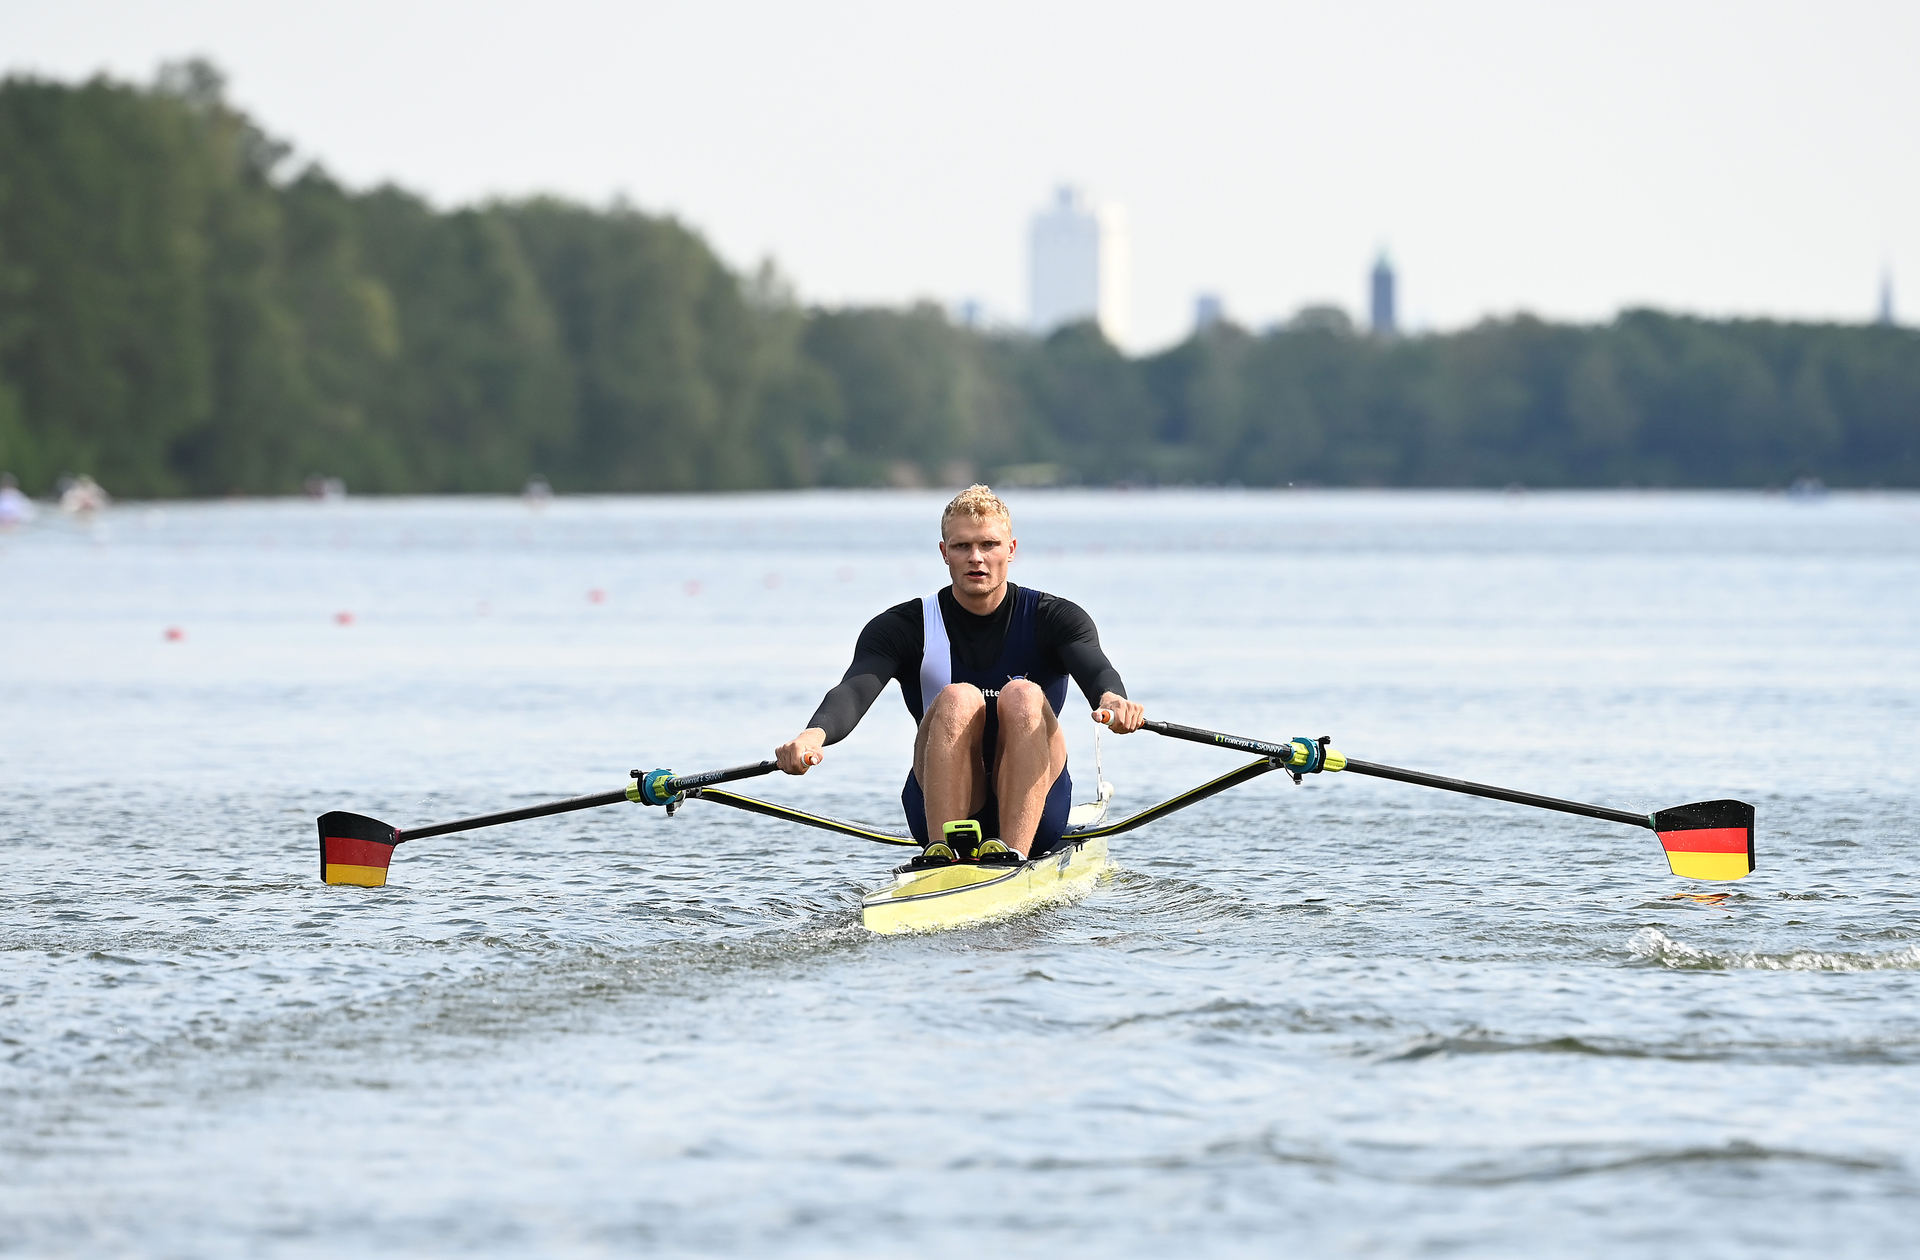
(356, 849)
(1704, 840)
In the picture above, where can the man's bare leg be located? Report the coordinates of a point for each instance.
(949, 756)
(1032, 753)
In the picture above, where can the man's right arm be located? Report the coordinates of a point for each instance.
(879, 656)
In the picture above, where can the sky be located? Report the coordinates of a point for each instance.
(1746, 158)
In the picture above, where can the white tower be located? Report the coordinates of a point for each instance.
(1078, 265)
(1380, 310)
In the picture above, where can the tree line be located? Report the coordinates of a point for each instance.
(182, 314)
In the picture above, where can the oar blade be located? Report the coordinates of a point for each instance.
(1708, 839)
(355, 849)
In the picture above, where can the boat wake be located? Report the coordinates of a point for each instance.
(1475, 1042)
(1653, 947)
(1579, 1161)
(1183, 900)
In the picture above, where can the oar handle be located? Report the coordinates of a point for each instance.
(710, 778)
(664, 787)
(1293, 754)
(1239, 743)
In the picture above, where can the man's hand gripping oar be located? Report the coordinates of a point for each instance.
(1704, 840)
(356, 849)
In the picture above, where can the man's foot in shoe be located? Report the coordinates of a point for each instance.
(998, 851)
(938, 851)
(961, 838)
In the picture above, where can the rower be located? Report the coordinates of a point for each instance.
(983, 667)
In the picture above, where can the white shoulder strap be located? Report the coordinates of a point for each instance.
(936, 656)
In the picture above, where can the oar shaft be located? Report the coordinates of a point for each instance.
(670, 787)
(1496, 793)
(1263, 748)
(513, 815)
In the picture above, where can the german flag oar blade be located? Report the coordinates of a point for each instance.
(355, 849)
(1708, 839)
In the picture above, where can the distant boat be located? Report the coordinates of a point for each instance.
(83, 496)
(15, 507)
(325, 489)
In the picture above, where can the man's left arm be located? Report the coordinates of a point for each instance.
(1068, 632)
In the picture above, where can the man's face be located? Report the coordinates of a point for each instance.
(977, 550)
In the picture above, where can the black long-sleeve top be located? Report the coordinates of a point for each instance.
(889, 647)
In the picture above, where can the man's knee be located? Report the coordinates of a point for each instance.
(1022, 703)
(958, 698)
(956, 707)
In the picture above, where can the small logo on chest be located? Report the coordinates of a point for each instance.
(993, 692)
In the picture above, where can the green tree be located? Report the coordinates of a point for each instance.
(103, 195)
(672, 366)
(479, 394)
(1095, 404)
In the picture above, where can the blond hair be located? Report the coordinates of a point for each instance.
(978, 502)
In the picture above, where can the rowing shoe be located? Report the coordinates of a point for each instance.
(1704, 840)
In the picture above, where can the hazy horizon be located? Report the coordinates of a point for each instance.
(1711, 158)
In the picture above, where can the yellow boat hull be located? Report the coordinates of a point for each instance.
(963, 893)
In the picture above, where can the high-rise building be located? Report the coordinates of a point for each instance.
(1886, 297)
(1078, 265)
(1380, 309)
(1208, 310)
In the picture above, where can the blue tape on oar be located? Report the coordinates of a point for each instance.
(1315, 753)
(655, 787)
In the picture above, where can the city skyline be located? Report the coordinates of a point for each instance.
(1710, 157)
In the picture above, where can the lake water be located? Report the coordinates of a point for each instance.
(1348, 1018)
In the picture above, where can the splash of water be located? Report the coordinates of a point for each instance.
(1651, 945)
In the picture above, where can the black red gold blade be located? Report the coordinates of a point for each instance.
(1708, 839)
(355, 849)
